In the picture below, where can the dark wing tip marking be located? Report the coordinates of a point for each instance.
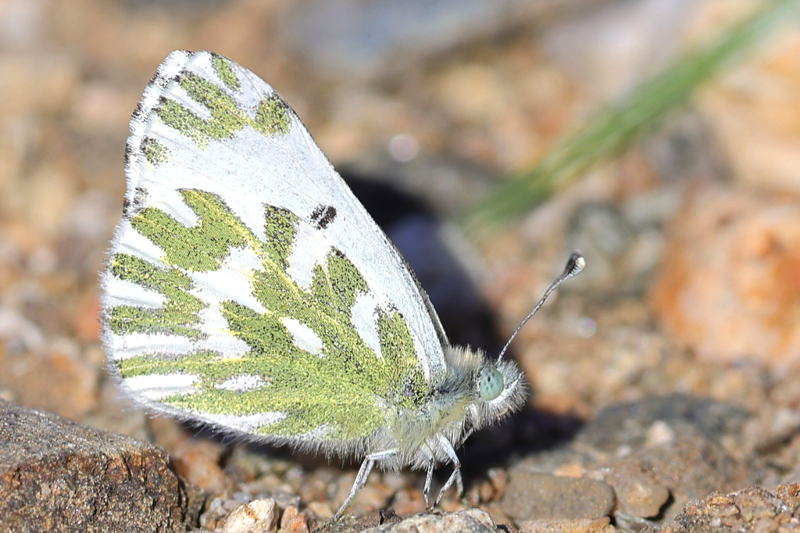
(323, 215)
(131, 208)
(127, 155)
(137, 111)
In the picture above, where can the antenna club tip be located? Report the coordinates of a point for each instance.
(575, 264)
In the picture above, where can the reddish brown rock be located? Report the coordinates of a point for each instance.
(198, 462)
(730, 282)
(293, 521)
(57, 475)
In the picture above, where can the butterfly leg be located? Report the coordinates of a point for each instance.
(456, 475)
(426, 491)
(361, 477)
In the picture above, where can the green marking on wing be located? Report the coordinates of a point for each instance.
(346, 388)
(280, 229)
(202, 247)
(397, 345)
(225, 72)
(226, 116)
(272, 115)
(178, 315)
(155, 152)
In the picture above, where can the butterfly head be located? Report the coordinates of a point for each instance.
(492, 389)
(499, 390)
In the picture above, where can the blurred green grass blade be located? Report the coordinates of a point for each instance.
(613, 128)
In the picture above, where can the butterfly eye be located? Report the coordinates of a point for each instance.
(490, 384)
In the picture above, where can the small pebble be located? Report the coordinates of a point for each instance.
(197, 461)
(408, 502)
(258, 516)
(321, 510)
(637, 492)
(659, 433)
(372, 497)
(293, 521)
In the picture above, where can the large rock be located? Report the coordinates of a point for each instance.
(466, 521)
(469, 521)
(58, 475)
(532, 495)
(729, 285)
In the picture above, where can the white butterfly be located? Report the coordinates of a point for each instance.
(249, 289)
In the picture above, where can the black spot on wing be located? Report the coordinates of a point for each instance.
(323, 215)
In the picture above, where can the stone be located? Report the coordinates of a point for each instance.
(468, 521)
(407, 502)
(638, 493)
(293, 521)
(321, 510)
(532, 495)
(690, 468)
(574, 525)
(729, 285)
(198, 462)
(748, 509)
(58, 475)
(216, 512)
(258, 516)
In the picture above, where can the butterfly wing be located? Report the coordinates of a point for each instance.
(246, 286)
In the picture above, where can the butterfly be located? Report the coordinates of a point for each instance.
(247, 288)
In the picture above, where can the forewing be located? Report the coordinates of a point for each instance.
(246, 285)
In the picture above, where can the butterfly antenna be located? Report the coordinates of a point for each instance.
(574, 266)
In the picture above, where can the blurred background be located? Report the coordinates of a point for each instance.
(489, 139)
